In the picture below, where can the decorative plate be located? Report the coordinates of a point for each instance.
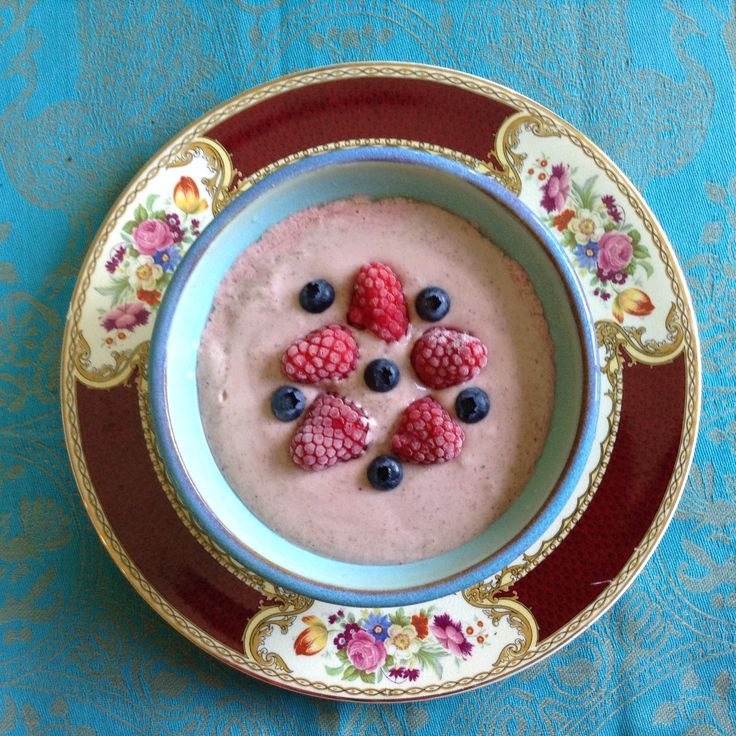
(646, 429)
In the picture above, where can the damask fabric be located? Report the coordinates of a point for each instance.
(90, 90)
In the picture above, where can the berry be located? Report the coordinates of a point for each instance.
(316, 296)
(378, 303)
(385, 473)
(444, 357)
(333, 430)
(381, 375)
(472, 405)
(432, 304)
(427, 434)
(327, 354)
(287, 403)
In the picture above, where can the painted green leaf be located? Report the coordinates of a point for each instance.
(635, 236)
(370, 679)
(350, 673)
(641, 251)
(128, 227)
(150, 200)
(140, 214)
(158, 215)
(400, 618)
(428, 657)
(334, 671)
(647, 267)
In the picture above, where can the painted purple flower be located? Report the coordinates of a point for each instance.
(152, 236)
(116, 259)
(397, 672)
(378, 626)
(344, 637)
(587, 255)
(413, 675)
(612, 208)
(195, 225)
(173, 219)
(617, 278)
(168, 259)
(449, 633)
(557, 188)
(365, 653)
(126, 317)
(615, 251)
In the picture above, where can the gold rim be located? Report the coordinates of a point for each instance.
(690, 347)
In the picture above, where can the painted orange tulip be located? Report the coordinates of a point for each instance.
(313, 639)
(632, 301)
(186, 196)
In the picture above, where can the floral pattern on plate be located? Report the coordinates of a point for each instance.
(141, 264)
(394, 645)
(607, 251)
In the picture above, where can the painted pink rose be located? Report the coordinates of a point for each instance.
(615, 252)
(557, 189)
(365, 652)
(151, 236)
(126, 317)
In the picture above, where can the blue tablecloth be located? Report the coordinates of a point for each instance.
(90, 89)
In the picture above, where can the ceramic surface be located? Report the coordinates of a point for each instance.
(645, 432)
(376, 172)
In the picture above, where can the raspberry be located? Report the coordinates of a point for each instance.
(444, 357)
(327, 354)
(378, 303)
(334, 430)
(427, 434)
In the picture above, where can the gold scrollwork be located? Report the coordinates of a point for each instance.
(485, 596)
(109, 374)
(259, 628)
(611, 335)
(506, 141)
(218, 159)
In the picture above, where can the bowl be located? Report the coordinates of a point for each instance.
(378, 172)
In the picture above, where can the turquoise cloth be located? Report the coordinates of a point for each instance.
(89, 90)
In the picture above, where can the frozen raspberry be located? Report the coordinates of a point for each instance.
(378, 303)
(427, 434)
(327, 354)
(444, 357)
(333, 430)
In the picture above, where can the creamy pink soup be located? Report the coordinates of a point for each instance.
(256, 315)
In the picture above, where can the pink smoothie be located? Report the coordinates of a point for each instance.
(256, 315)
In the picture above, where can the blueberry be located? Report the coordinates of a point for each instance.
(432, 304)
(287, 403)
(381, 375)
(385, 473)
(316, 296)
(472, 405)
